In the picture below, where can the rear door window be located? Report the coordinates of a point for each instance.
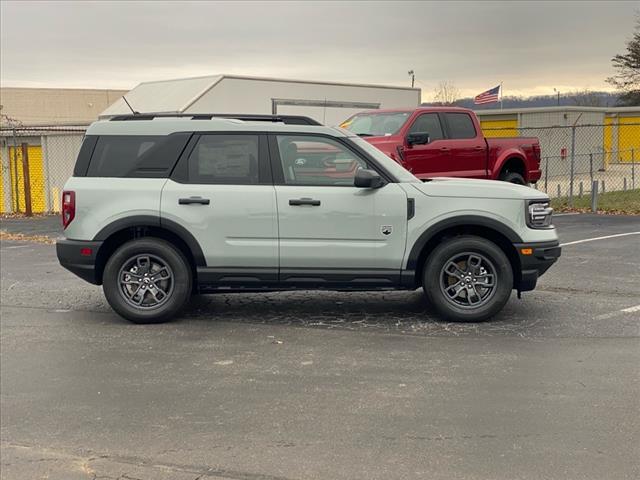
(225, 159)
(460, 125)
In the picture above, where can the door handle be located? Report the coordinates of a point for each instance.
(193, 201)
(304, 201)
(479, 147)
(444, 149)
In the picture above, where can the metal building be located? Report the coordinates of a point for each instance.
(327, 102)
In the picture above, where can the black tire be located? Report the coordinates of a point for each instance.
(437, 282)
(178, 289)
(513, 177)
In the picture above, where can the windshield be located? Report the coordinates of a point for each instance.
(390, 165)
(376, 124)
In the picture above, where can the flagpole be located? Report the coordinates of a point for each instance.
(500, 95)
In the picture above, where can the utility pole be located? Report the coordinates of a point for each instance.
(413, 77)
(558, 92)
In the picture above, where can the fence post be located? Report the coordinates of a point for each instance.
(633, 169)
(558, 190)
(591, 166)
(16, 184)
(573, 159)
(594, 196)
(581, 189)
(602, 185)
(27, 181)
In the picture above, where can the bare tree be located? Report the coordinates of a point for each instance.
(627, 66)
(446, 93)
(586, 98)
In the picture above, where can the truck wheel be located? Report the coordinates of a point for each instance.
(467, 279)
(147, 280)
(513, 177)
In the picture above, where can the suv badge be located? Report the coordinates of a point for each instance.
(386, 229)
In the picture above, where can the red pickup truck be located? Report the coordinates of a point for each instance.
(447, 142)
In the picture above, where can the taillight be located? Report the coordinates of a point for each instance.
(68, 207)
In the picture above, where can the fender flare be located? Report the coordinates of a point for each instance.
(157, 222)
(461, 221)
(504, 158)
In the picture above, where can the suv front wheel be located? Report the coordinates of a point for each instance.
(147, 280)
(468, 279)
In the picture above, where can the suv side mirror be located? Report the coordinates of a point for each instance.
(367, 179)
(418, 138)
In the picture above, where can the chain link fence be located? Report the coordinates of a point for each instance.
(580, 165)
(587, 166)
(36, 162)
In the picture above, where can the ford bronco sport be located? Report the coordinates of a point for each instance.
(160, 207)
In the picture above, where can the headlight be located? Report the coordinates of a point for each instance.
(539, 214)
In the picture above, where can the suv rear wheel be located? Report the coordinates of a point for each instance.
(468, 279)
(147, 280)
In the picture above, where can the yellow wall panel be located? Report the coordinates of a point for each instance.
(2, 184)
(629, 139)
(36, 177)
(499, 128)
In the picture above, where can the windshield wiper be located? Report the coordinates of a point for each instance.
(365, 134)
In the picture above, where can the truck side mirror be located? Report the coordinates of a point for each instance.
(367, 179)
(418, 138)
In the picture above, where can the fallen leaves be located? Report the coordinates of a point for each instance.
(4, 235)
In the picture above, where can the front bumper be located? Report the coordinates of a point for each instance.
(533, 265)
(79, 257)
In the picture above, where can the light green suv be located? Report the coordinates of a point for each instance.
(161, 207)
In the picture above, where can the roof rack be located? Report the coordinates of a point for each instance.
(287, 119)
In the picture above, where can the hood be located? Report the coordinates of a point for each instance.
(378, 139)
(386, 144)
(471, 188)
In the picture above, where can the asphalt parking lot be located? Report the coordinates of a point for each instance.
(323, 385)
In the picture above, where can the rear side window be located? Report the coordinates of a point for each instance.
(137, 156)
(460, 125)
(115, 155)
(429, 123)
(225, 159)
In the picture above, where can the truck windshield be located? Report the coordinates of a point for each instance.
(376, 124)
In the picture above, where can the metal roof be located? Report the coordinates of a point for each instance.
(177, 95)
(168, 96)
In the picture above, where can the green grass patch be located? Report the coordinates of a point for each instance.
(624, 202)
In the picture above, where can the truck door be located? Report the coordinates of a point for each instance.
(432, 159)
(468, 148)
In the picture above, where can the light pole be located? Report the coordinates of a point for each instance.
(558, 92)
(413, 77)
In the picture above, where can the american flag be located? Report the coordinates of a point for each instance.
(490, 96)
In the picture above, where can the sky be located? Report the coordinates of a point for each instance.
(532, 47)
